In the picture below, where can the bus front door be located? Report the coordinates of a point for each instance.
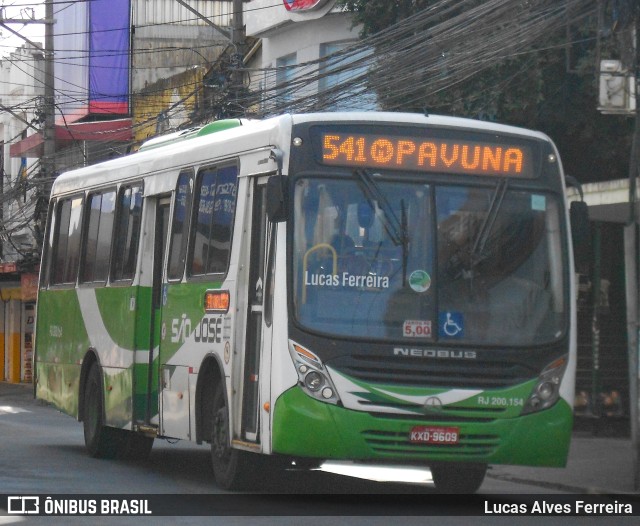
(155, 245)
(258, 333)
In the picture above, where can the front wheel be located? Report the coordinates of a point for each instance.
(458, 477)
(231, 467)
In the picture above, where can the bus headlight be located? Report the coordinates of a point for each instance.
(312, 375)
(547, 389)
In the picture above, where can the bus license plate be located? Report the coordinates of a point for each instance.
(434, 435)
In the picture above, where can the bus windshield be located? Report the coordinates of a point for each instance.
(414, 262)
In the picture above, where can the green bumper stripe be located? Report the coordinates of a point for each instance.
(306, 427)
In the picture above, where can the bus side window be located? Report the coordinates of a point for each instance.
(98, 236)
(66, 241)
(47, 246)
(180, 226)
(128, 222)
(214, 211)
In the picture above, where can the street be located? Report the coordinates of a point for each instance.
(43, 453)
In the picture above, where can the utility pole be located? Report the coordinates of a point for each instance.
(237, 40)
(47, 162)
(632, 260)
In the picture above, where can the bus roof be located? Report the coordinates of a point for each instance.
(211, 141)
(418, 119)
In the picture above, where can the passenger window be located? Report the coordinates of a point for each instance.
(180, 226)
(47, 247)
(213, 220)
(66, 241)
(98, 236)
(128, 222)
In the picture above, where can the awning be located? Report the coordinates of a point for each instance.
(69, 132)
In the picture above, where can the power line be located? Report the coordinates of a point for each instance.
(440, 55)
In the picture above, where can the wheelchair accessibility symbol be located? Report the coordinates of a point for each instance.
(451, 324)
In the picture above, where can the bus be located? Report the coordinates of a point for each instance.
(374, 287)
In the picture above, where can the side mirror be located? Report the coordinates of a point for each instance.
(580, 232)
(277, 198)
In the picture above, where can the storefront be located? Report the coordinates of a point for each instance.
(607, 375)
(17, 322)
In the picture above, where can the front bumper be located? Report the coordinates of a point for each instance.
(305, 427)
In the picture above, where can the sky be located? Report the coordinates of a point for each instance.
(21, 9)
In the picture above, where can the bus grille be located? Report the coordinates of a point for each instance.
(394, 444)
(469, 374)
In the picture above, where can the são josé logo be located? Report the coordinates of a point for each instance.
(303, 5)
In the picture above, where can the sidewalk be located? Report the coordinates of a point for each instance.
(595, 465)
(16, 392)
(602, 465)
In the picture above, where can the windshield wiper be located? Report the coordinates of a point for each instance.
(478, 251)
(395, 227)
(391, 223)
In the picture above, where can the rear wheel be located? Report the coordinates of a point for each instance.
(101, 441)
(458, 477)
(231, 467)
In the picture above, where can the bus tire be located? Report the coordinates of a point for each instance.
(457, 477)
(231, 467)
(101, 441)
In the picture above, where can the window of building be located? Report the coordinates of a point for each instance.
(284, 75)
(342, 85)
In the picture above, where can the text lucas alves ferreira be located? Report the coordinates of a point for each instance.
(541, 507)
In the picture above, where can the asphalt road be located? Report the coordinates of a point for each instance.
(42, 452)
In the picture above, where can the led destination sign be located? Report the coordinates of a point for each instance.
(433, 154)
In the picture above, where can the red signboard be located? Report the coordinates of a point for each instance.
(8, 267)
(303, 5)
(29, 285)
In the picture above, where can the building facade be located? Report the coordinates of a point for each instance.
(307, 50)
(22, 91)
(124, 70)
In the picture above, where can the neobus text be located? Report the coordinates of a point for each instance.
(433, 353)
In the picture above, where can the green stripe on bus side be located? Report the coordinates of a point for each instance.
(140, 381)
(125, 312)
(63, 341)
(61, 335)
(58, 384)
(306, 427)
(118, 396)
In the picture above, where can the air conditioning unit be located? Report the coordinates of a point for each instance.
(617, 94)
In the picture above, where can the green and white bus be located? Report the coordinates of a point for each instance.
(373, 287)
